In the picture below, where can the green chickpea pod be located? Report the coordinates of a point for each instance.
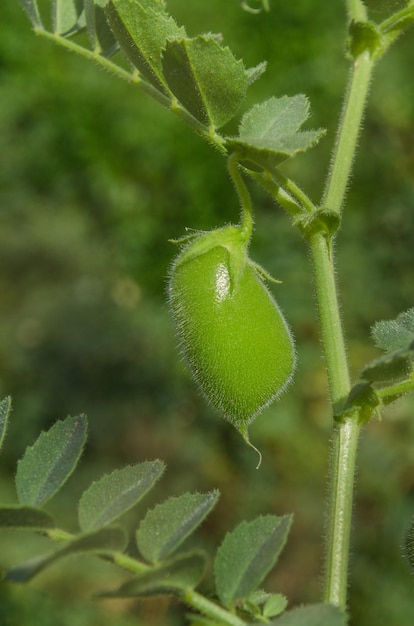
(231, 331)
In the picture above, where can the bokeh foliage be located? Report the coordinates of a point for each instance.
(94, 180)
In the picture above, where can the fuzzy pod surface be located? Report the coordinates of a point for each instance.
(231, 331)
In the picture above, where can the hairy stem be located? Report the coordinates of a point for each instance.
(345, 435)
(349, 127)
(356, 10)
(244, 196)
(344, 446)
(389, 394)
(330, 321)
(286, 201)
(294, 191)
(400, 20)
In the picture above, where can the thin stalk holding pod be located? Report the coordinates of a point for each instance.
(246, 218)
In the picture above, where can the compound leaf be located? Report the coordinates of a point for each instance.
(269, 132)
(115, 493)
(49, 462)
(246, 556)
(142, 28)
(180, 574)
(167, 525)
(205, 77)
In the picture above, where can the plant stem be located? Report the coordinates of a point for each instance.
(5, 410)
(344, 446)
(345, 436)
(330, 320)
(129, 563)
(356, 10)
(286, 201)
(398, 21)
(294, 191)
(210, 609)
(244, 196)
(347, 137)
(389, 394)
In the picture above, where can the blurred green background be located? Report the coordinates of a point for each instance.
(94, 180)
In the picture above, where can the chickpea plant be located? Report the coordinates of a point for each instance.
(235, 339)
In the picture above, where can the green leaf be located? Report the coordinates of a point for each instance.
(312, 615)
(32, 11)
(246, 556)
(67, 16)
(100, 35)
(142, 29)
(269, 132)
(275, 605)
(100, 543)
(409, 545)
(390, 367)
(254, 73)
(178, 575)
(395, 334)
(25, 517)
(115, 493)
(5, 410)
(167, 525)
(254, 603)
(47, 464)
(205, 77)
(259, 597)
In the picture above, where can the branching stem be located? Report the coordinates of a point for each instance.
(345, 435)
(349, 127)
(389, 394)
